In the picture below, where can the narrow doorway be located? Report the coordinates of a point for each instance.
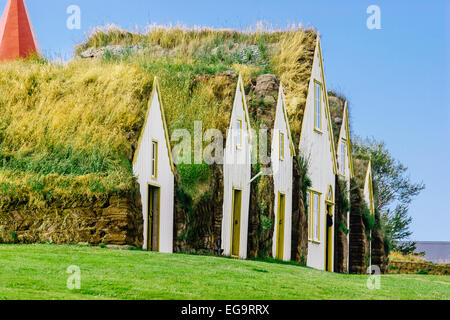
(153, 218)
(280, 225)
(329, 240)
(236, 229)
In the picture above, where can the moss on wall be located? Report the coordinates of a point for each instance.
(379, 256)
(261, 217)
(301, 182)
(342, 207)
(198, 224)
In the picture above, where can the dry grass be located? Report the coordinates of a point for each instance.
(35, 190)
(70, 131)
(185, 40)
(288, 53)
(293, 62)
(87, 105)
(398, 256)
(337, 106)
(360, 166)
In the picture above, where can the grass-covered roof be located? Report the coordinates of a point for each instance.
(361, 165)
(336, 103)
(189, 53)
(68, 132)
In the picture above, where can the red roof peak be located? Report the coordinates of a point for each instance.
(17, 38)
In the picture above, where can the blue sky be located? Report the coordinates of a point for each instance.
(397, 78)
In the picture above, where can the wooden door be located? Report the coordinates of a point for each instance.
(329, 240)
(153, 219)
(281, 225)
(236, 232)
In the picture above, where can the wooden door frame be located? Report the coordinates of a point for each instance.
(277, 247)
(329, 241)
(149, 233)
(234, 189)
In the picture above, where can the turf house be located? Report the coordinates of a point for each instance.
(375, 250)
(175, 140)
(236, 178)
(317, 149)
(343, 144)
(282, 155)
(362, 216)
(154, 169)
(270, 229)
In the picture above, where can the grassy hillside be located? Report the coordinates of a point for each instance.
(68, 133)
(286, 53)
(39, 272)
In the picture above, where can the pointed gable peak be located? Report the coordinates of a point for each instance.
(17, 37)
(282, 103)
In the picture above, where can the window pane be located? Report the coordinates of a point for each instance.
(317, 106)
(308, 214)
(316, 217)
(154, 146)
(344, 150)
(281, 145)
(238, 132)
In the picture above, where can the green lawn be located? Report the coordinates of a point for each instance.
(39, 272)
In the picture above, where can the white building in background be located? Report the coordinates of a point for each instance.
(345, 163)
(282, 153)
(154, 169)
(368, 188)
(236, 177)
(317, 148)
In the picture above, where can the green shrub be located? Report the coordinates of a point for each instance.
(422, 271)
(368, 217)
(343, 228)
(14, 237)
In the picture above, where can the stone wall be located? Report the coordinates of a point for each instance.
(379, 257)
(253, 220)
(340, 237)
(116, 221)
(358, 247)
(406, 267)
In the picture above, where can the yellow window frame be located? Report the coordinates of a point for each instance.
(308, 207)
(372, 206)
(281, 145)
(239, 145)
(318, 129)
(154, 159)
(311, 218)
(342, 155)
